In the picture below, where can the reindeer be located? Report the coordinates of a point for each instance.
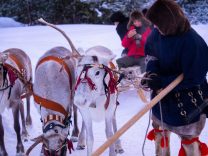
(53, 92)
(96, 97)
(15, 82)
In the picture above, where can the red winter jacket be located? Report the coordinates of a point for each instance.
(130, 43)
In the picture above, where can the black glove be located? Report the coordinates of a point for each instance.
(151, 80)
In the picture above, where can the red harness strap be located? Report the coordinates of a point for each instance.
(61, 62)
(85, 79)
(50, 104)
(112, 86)
(202, 146)
(164, 140)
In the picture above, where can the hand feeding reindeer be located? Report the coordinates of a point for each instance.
(15, 80)
(96, 97)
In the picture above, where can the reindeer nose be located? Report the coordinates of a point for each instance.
(53, 153)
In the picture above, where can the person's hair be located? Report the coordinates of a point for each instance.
(144, 11)
(117, 17)
(137, 15)
(168, 16)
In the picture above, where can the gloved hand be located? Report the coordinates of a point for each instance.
(151, 80)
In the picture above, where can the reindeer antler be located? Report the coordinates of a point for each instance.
(37, 140)
(74, 51)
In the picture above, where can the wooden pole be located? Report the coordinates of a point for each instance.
(63, 33)
(136, 117)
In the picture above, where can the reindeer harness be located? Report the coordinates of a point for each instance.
(52, 105)
(15, 74)
(111, 88)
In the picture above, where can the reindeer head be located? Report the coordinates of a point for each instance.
(93, 79)
(54, 139)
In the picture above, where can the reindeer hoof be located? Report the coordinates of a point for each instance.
(80, 147)
(119, 151)
(20, 154)
(20, 150)
(28, 121)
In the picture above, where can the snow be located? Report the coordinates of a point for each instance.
(36, 40)
(9, 22)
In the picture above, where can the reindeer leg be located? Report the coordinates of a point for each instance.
(109, 132)
(24, 130)
(75, 131)
(28, 117)
(82, 138)
(88, 124)
(2, 146)
(15, 110)
(118, 147)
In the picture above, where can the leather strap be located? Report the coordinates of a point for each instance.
(53, 117)
(61, 62)
(50, 104)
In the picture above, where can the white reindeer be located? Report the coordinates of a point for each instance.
(15, 80)
(96, 97)
(53, 94)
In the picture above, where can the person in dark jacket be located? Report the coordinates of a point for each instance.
(134, 41)
(121, 21)
(173, 48)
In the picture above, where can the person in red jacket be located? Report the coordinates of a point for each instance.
(134, 41)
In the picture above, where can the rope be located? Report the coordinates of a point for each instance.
(2, 89)
(145, 137)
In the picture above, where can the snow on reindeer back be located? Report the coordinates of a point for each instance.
(100, 51)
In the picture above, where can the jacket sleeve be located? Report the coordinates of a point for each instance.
(193, 58)
(152, 62)
(126, 42)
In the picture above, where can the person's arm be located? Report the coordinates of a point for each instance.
(194, 54)
(128, 38)
(152, 62)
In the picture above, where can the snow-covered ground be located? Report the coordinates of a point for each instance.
(38, 39)
(9, 22)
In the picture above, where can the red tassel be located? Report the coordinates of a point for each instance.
(151, 135)
(164, 142)
(70, 146)
(182, 151)
(203, 148)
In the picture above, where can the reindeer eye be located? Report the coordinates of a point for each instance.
(56, 131)
(97, 73)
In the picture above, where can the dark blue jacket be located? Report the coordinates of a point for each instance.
(170, 56)
(122, 28)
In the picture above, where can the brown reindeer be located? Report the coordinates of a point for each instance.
(15, 81)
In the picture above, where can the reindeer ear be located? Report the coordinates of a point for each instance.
(113, 56)
(3, 57)
(104, 61)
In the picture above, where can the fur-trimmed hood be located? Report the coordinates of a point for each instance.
(137, 15)
(168, 17)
